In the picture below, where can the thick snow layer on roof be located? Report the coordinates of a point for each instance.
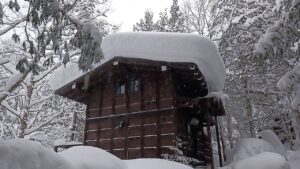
(170, 47)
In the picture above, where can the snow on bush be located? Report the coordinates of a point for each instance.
(151, 163)
(249, 147)
(290, 83)
(266, 160)
(25, 154)
(86, 157)
(270, 137)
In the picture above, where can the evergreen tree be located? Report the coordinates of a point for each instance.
(174, 23)
(176, 20)
(162, 24)
(145, 24)
(280, 44)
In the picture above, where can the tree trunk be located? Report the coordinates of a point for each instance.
(295, 115)
(249, 113)
(73, 129)
(24, 117)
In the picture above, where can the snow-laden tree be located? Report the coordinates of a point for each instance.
(50, 29)
(45, 35)
(176, 21)
(280, 44)
(198, 15)
(237, 27)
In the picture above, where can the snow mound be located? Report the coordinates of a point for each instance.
(294, 159)
(157, 46)
(151, 163)
(249, 147)
(270, 137)
(266, 160)
(25, 154)
(86, 157)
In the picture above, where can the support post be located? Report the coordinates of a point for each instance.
(210, 144)
(218, 141)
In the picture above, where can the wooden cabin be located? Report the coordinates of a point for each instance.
(141, 107)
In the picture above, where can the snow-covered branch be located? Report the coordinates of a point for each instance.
(12, 83)
(4, 61)
(33, 129)
(10, 27)
(10, 109)
(290, 83)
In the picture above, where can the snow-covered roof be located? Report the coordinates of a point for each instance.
(169, 47)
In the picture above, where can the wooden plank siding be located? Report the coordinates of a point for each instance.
(147, 117)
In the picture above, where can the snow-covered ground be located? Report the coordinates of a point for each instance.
(25, 154)
(265, 153)
(249, 153)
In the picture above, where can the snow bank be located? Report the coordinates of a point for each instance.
(62, 142)
(294, 159)
(170, 47)
(86, 157)
(151, 163)
(270, 137)
(249, 147)
(266, 160)
(25, 154)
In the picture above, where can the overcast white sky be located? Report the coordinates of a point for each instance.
(129, 12)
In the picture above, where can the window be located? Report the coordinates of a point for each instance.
(121, 88)
(134, 85)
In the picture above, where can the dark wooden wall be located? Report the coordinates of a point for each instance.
(133, 125)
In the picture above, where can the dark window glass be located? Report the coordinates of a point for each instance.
(134, 85)
(121, 88)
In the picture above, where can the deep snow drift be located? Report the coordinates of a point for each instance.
(25, 154)
(170, 47)
(86, 157)
(269, 153)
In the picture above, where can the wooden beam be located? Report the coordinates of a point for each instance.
(85, 125)
(158, 131)
(143, 120)
(126, 120)
(100, 113)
